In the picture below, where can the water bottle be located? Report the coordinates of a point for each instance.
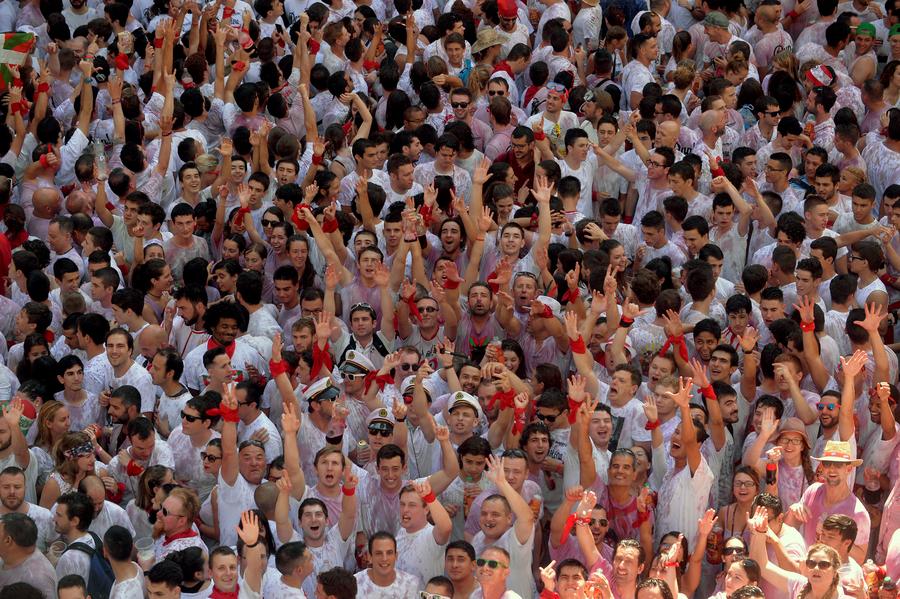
(470, 489)
(888, 589)
(100, 159)
(872, 574)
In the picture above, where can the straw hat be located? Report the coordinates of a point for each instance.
(838, 451)
(488, 37)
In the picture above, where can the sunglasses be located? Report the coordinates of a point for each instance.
(350, 376)
(599, 522)
(733, 551)
(428, 309)
(556, 87)
(459, 104)
(413, 367)
(166, 512)
(813, 564)
(208, 457)
(493, 93)
(270, 223)
(490, 563)
(377, 432)
(425, 595)
(189, 418)
(772, 113)
(822, 406)
(546, 417)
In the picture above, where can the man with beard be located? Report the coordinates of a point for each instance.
(186, 328)
(327, 544)
(477, 325)
(14, 448)
(520, 157)
(125, 371)
(144, 451)
(123, 406)
(242, 470)
(22, 562)
(12, 500)
(224, 321)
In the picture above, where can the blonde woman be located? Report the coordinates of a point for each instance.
(818, 577)
(74, 456)
(53, 423)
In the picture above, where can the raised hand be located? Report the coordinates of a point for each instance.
(548, 577)
(290, 421)
(249, 528)
(706, 523)
(631, 310)
(768, 425)
(495, 473)
(323, 326)
(399, 410)
(875, 313)
(284, 484)
(699, 371)
(587, 504)
(574, 494)
(883, 391)
(276, 347)
(571, 321)
(480, 176)
(423, 488)
(673, 325)
(598, 303)
(502, 274)
(760, 521)
(441, 433)
(749, 339)
(542, 189)
(853, 365)
(382, 275)
(577, 384)
(650, 409)
(807, 308)
(331, 278)
(683, 398)
(521, 401)
(12, 412)
(486, 220)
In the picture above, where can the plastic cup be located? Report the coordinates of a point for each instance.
(145, 552)
(56, 549)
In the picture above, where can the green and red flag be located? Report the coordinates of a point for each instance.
(14, 50)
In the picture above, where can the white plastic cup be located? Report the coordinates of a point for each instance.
(56, 549)
(145, 552)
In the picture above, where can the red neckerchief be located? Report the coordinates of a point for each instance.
(229, 349)
(217, 594)
(504, 66)
(180, 535)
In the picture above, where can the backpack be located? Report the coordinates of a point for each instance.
(100, 577)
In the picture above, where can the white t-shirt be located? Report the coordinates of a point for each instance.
(331, 554)
(233, 501)
(131, 588)
(520, 579)
(419, 554)
(405, 586)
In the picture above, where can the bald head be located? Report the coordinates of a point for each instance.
(667, 134)
(710, 121)
(79, 202)
(47, 202)
(152, 339)
(265, 497)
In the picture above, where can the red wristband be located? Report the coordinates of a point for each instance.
(808, 327)
(448, 284)
(547, 313)
(318, 159)
(330, 225)
(794, 14)
(349, 492)
(671, 564)
(44, 162)
(709, 393)
(227, 414)
(430, 498)
(133, 469)
(42, 88)
(280, 367)
(578, 346)
(651, 425)
(158, 42)
(539, 136)
(626, 322)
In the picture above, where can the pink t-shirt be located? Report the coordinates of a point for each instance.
(814, 500)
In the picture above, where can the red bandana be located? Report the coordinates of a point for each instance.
(229, 349)
(180, 535)
(217, 594)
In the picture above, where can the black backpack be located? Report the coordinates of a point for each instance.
(101, 577)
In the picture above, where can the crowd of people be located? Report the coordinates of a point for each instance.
(469, 299)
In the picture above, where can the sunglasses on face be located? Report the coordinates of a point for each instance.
(381, 433)
(813, 564)
(490, 563)
(412, 367)
(208, 457)
(599, 522)
(733, 551)
(270, 223)
(546, 417)
(459, 104)
(428, 310)
(822, 406)
(351, 376)
(188, 417)
(166, 512)
(493, 93)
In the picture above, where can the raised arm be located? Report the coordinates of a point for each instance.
(347, 519)
(443, 525)
(688, 433)
(852, 367)
(441, 479)
(283, 527)
(759, 528)
(255, 552)
(12, 413)
(228, 409)
(524, 525)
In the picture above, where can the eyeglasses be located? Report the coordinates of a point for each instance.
(495, 92)
(791, 441)
(424, 595)
(599, 522)
(189, 418)
(428, 309)
(822, 406)
(813, 564)
(852, 257)
(459, 104)
(208, 457)
(744, 484)
(270, 223)
(412, 367)
(657, 164)
(733, 551)
(167, 513)
(773, 169)
(490, 563)
(378, 432)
